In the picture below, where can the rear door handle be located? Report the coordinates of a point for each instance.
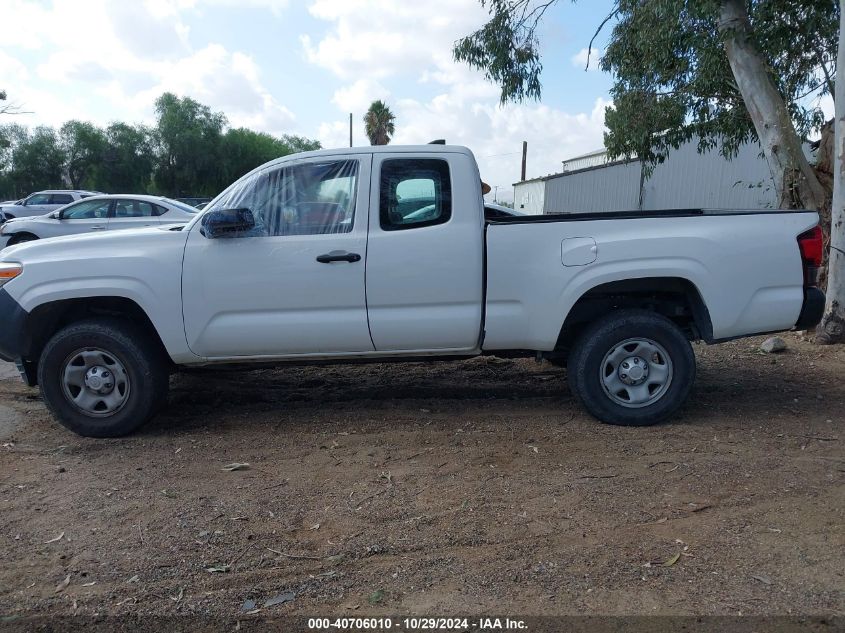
(338, 256)
(99, 227)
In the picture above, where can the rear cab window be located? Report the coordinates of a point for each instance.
(414, 193)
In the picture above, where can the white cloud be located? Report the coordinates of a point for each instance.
(585, 56)
(225, 81)
(119, 56)
(358, 96)
(371, 43)
(382, 39)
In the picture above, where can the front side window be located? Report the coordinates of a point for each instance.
(87, 210)
(415, 192)
(38, 198)
(301, 199)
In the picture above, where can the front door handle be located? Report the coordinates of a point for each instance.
(99, 227)
(338, 256)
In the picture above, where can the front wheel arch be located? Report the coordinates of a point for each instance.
(48, 318)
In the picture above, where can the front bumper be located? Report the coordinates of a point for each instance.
(13, 337)
(811, 310)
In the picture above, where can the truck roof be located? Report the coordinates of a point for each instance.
(374, 149)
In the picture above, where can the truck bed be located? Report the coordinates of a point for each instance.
(637, 214)
(744, 264)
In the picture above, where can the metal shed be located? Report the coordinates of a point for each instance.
(686, 179)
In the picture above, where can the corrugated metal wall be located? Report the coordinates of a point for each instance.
(686, 179)
(691, 180)
(613, 187)
(588, 160)
(528, 196)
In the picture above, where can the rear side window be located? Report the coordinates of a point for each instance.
(136, 209)
(415, 192)
(61, 198)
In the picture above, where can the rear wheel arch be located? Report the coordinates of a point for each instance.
(23, 236)
(676, 298)
(632, 367)
(48, 318)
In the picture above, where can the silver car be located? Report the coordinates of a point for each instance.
(41, 202)
(97, 213)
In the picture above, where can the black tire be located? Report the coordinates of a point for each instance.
(606, 335)
(21, 238)
(145, 370)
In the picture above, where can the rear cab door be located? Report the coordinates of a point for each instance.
(425, 253)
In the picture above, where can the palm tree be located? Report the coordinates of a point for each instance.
(378, 123)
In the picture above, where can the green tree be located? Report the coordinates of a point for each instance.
(83, 145)
(721, 72)
(128, 159)
(243, 150)
(188, 139)
(37, 160)
(379, 123)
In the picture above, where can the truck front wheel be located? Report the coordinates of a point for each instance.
(632, 368)
(102, 377)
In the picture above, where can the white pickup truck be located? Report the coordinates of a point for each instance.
(384, 253)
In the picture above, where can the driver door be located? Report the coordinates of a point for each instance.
(280, 290)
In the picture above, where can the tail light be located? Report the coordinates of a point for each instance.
(811, 245)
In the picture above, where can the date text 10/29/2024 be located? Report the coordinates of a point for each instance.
(417, 624)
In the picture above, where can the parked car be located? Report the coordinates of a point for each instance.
(97, 213)
(43, 202)
(195, 201)
(324, 256)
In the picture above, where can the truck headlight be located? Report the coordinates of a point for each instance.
(8, 271)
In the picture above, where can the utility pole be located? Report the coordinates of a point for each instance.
(496, 193)
(524, 157)
(350, 129)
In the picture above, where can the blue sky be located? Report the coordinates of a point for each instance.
(300, 66)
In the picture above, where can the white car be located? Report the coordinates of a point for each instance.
(97, 213)
(383, 253)
(42, 202)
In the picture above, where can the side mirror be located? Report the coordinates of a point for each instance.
(226, 222)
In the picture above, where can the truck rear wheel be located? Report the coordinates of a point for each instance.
(102, 377)
(632, 368)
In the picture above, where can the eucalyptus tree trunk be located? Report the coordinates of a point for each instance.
(832, 328)
(795, 181)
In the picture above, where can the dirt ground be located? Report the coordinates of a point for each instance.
(436, 489)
